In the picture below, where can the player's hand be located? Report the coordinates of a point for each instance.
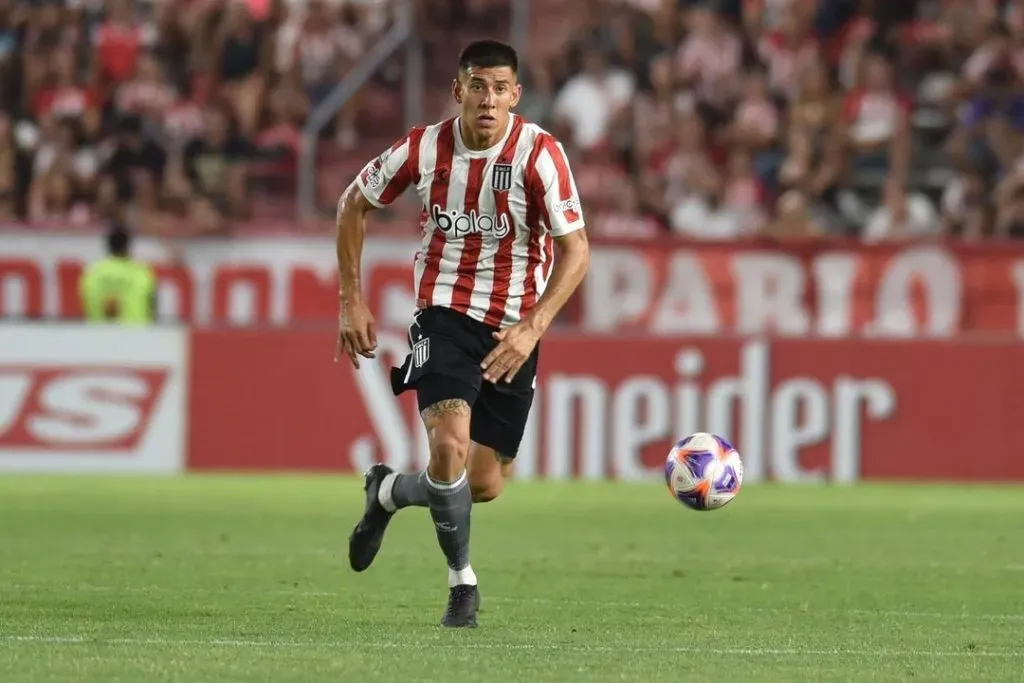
(515, 344)
(356, 334)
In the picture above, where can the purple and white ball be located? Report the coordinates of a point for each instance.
(704, 471)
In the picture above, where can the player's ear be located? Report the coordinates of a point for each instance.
(457, 90)
(517, 92)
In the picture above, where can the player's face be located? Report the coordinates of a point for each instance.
(485, 97)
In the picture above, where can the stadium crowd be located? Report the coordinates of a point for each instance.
(708, 119)
(163, 107)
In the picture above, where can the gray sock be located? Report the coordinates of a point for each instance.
(410, 490)
(450, 505)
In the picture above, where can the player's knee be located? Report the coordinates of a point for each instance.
(486, 490)
(447, 456)
(447, 424)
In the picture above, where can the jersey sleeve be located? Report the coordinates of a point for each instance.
(556, 189)
(386, 177)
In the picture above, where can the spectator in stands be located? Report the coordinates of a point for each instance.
(8, 175)
(903, 215)
(789, 50)
(538, 99)
(1009, 203)
(993, 119)
(691, 181)
(876, 116)
(709, 60)
(147, 95)
(52, 195)
(210, 179)
(592, 102)
(814, 164)
(756, 128)
(743, 194)
(964, 210)
(241, 61)
(277, 143)
(9, 78)
(656, 107)
(61, 94)
(761, 17)
(314, 50)
(118, 41)
(624, 218)
(793, 219)
(133, 173)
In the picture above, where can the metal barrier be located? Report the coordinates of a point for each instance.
(519, 27)
(402, 32)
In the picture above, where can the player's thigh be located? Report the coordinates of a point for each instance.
(499, 417)
(445, 403)
(502, 409)
(446, 379)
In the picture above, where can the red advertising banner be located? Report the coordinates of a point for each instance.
(832, 290)
(798, 410)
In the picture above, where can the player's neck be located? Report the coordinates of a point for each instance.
(478, 143)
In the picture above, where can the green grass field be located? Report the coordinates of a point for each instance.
(210, 579)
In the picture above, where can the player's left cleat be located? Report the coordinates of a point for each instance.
(366, 538)
(463, 603)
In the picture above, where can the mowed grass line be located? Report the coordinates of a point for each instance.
(218, 578)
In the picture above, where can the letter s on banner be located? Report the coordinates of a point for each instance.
(80, 398)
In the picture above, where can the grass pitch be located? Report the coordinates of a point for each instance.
(210, 579)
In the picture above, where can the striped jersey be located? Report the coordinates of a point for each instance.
(488, 217)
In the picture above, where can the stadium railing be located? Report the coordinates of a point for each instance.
(402, 33)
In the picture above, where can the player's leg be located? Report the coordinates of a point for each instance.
(433, 353)
(496, 429)
(488, 470)
(447, 421)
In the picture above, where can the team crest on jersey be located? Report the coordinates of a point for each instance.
(375, 174)
(421, 352)
(374, 177)
(501, 178)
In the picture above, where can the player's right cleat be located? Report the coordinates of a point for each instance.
(463, 603)
(366, 538)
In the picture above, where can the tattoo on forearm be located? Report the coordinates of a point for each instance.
(447, 407)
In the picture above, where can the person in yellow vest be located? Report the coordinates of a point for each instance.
(117, 288)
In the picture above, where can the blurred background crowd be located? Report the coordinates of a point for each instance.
(704, 119)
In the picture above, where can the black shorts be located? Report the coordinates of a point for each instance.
(447, 348)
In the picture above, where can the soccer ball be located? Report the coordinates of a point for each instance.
(704, 471)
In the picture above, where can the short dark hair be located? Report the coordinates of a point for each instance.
(119, 240)
(487, 54)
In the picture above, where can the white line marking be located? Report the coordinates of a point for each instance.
(695, 649)
(509, 600)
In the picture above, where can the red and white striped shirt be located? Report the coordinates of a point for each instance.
(488, 218)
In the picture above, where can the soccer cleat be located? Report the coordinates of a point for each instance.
(366, 538)
(463, 603)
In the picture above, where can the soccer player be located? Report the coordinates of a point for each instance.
(497, 192)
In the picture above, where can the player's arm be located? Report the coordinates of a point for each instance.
(379, 183)
(568, 272)
(555, 190)
(353, 206)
